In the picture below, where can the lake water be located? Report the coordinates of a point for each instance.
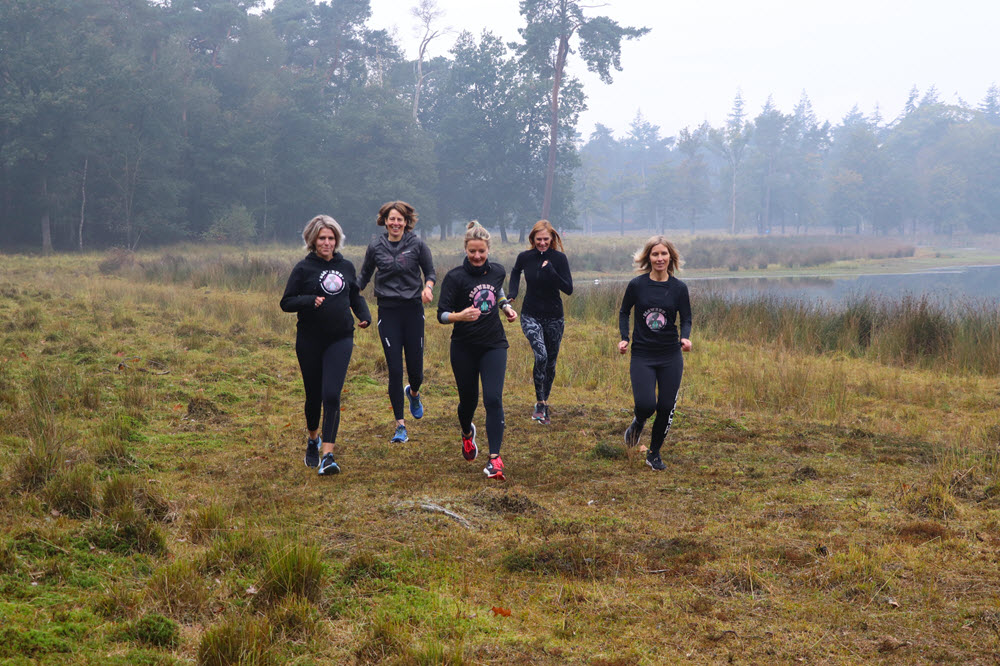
(956, 285)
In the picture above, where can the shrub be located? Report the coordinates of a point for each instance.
(154, 629)
(128, 530)
(291, 569)
(115, 259)
(178, 590)
(246, 642)
(235, 226)
(72, 491)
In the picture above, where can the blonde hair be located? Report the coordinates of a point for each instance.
(641, 258)
(317, 224)
(406, 210)
(545, 225)
(476, 231)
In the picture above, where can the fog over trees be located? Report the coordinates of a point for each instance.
(135, 122)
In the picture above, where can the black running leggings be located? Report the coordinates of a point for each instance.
(401, 328)
(655, 383)
(544, 336)
(324, 368)
(470, 365)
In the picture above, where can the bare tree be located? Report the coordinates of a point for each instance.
(427, 13)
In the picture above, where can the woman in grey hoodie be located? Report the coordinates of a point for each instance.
(396, 259)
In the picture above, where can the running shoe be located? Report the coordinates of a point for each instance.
(400, 435)
(632, 434)
(539, 412)
(328, 465)
(416, 407)
(469, 448)
(545, 420)
(494, 469)
(312, 452)
(653, 460)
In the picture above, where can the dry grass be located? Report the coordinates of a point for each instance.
(818, 506)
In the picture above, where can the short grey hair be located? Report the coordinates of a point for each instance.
(317, 224)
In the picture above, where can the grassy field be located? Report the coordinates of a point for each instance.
(821, 504)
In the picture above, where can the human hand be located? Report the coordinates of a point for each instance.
(685, 345)
(509, 313)
(319, 301)
(363, 324)
(469, 314)
(623, 346)
(545, 263)
(426, 295)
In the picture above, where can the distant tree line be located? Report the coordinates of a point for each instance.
(128, 122)
(934, 168)
(151, 121)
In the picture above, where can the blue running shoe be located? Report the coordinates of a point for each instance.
(653, 460)
(328, 465)
(416, 407)
(312, 452)
(400, 435)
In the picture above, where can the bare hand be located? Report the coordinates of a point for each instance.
(468, 314)
(685, 344)
(319, 301)
(623, 346)
(510, 314)
(545, 263)
(426, 295)
(363, 324)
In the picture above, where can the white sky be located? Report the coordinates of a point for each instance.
(688, 68)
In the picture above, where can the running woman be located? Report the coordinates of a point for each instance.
(659, 300)
(396, 258)
(323, 290)
(471, 299)
(546, 273)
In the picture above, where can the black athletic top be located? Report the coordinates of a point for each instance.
(541, 285)
(482, 287)
(657, 308)
(336, 281)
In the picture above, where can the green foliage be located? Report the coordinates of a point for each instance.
(127, 529)
(236, 226)
(291, 569)
(156, 630)
(245, 641)
(365, 566)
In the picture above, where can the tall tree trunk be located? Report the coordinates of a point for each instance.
(732, 201)
(46, 224)
(550, 169)
(83, 202)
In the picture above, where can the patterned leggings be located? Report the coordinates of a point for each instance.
(544, 336)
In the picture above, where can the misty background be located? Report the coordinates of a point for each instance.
(135, 123)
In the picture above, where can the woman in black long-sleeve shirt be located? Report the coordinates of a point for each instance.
(323, 290)
(546, 273)
(659, 300)
(472, 298)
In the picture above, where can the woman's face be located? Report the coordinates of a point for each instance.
(477, 252)
(543, 239)
(659, 258)
(395, 224)
(326, 243)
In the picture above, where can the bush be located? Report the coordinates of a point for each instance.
(155, 630)
(246, 642)
(72, 492)
(235, 226)
(291, 569)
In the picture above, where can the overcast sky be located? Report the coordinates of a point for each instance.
(689, 67)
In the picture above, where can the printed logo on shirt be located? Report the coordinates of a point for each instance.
(484, 297)
(655, 318)
(332, 282)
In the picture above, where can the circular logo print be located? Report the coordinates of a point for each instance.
(333, 283)
(484, 300)
(655, 321)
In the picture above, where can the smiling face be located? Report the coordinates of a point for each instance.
(395, 224)
(659, 258)
(543, 240)
(477, 252)
(326, 244)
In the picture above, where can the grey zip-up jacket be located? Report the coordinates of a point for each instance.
(397, 269)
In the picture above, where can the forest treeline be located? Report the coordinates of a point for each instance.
(127, 122)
